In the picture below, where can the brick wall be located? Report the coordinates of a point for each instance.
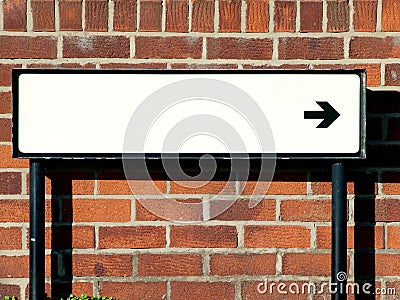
(99, 239)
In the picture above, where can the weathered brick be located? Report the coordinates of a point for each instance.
(365, 14)
(358, 237)
(306, 264)
(70, 15)
(391, 185)
(10, 183)
(239, 48)
(102, 265)
(14, 15)
(375, 47)
(150, 15)
(169, 265)
(5, 73)
(134, 290)
(258, 236)
(132, 237)
(10, 290)
(390, 15)
(229, 15)
(311, 48)
(285, 15)
(10, 239)
(168, 47)
(311, 16)
(257, 16)
(203, 237)
(282, 184)
(338, 16)
(202, 66)
(43, 18)
(96, 15)
(184, 290)
(177, 13)
(14, 266)
(124, 15)
(97, 210)
(155, 66)
(392, 74)
(5, 130)
(28, 47)
(306, 210)
(240, 210)
(14, 211)
(242, 264)
(96, 46)
(203, 15)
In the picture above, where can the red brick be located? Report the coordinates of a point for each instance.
(281, 184)
(124, 15)
(96, 47)
(383, 210)
(28, 47)
(43, 15)
(150, 15)
(70, 15)
(393, 294)
(311, 48)
(14, 211)
(279, 67)
(258, 236)
(203, 15)
(10, 238)
(68, 183)
(241, 210)
(375, 47)
(229, 15)
(107, 185)
(393, 237)
(391, 185)
(390, 16)
(14, 15)
(169, 265)
(168, 47)
(96, 15)
(392, 74)
(203, 66)
(97, 210)
(311, 16)
(203, 236)
(387, 264)
(365, 13)
(239, 48)
(134, 290)
(10, 183)
(306, 210)
(242, 264)
(102, 265)
(257, 16)
(199, 187)
(67, 237)
(373, 71)
(77, 288)
(202, 290)
(132, 237)
(250, 290)
(155, 66)
(5, 74)
(177, 15)
(5, 130)
(338, 16)
(306, 264)
(285, 15)
(5, 103)
(14, 266)
(10, 290)
(180, 210)
(358, 237)
(62, 66)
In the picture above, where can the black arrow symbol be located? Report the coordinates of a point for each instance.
(328, 114)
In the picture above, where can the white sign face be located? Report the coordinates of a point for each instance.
(61, 113)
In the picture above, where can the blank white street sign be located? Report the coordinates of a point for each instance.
(97, 113)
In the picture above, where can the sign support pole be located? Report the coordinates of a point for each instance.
(339, 231)
(37, 230)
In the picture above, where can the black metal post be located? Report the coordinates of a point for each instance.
(37, 227)
(339, 232)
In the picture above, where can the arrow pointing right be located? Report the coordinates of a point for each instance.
(328, 114)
